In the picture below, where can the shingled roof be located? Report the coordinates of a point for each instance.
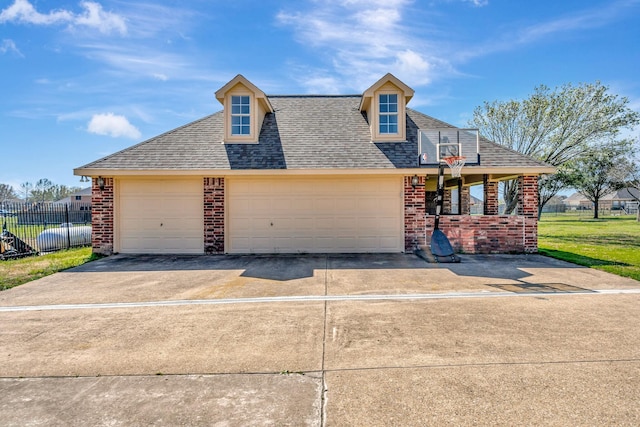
(303, 133)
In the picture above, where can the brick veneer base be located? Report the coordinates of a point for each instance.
(485, 234)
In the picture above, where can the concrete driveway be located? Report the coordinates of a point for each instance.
(321, 340)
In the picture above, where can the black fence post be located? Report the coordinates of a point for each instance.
(68, 224)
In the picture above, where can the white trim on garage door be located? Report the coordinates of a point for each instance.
(160, 216)
(315, 214)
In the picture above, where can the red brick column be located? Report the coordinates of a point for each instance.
(528, 196)
(528, 207)
(446, 202)
(465, 200)
(214, 215)
(102, 217)
(414, 215)
(490, 197)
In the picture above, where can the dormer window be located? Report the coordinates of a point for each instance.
(245, 107)
(240, 115)
(388, 113)
(385, 105)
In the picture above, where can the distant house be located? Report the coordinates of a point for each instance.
(476, 205)
(308, 174)
(625, 200)
(575, 201)
(83, 196)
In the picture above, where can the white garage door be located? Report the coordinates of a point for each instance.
(299, 214)
(161, 216)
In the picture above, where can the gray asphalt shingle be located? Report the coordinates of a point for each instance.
(304, 132)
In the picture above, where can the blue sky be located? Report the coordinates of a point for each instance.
(83, 79)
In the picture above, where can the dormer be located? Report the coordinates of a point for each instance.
(385, 104)
(245, 107)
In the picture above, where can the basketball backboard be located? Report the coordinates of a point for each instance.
(436, 144)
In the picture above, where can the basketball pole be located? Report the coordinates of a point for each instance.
(439, 196)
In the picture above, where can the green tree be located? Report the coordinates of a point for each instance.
(554, 126)
(597, 172)
(629, 170)
(550, 185)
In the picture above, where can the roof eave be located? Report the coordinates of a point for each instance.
(470, 170)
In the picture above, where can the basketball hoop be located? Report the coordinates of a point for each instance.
(455, 163)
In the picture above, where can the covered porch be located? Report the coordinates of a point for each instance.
(488, 232)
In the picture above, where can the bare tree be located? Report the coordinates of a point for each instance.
(58, 192)
(7, 193)
(554, 126)
(25, 191)
(42, 190)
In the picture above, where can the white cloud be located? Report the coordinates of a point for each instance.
(93, 16)
(23, 12)
(9, 45)
(582, 20)
(363, 40)
(113, 125)
(478, 3)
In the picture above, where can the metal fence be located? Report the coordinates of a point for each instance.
(587, 211)
(30, 228)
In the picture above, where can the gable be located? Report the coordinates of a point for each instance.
(244, 107)
(384, 104)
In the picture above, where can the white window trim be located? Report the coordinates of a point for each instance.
(241, 115)
(252, 137)
(389, 114)
(401, 114)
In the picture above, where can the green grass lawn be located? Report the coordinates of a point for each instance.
(18, 271)
(610, 244)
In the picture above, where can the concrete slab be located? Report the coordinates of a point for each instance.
(547, 360)
(169, 340)
(404, 274)
(562, 394)
(124, 278)
(540, 329)
(129, 278)
(193, 400)
(535, 270)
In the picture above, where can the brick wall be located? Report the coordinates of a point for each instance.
(213, 215)
(484, 234)
(102, 217)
